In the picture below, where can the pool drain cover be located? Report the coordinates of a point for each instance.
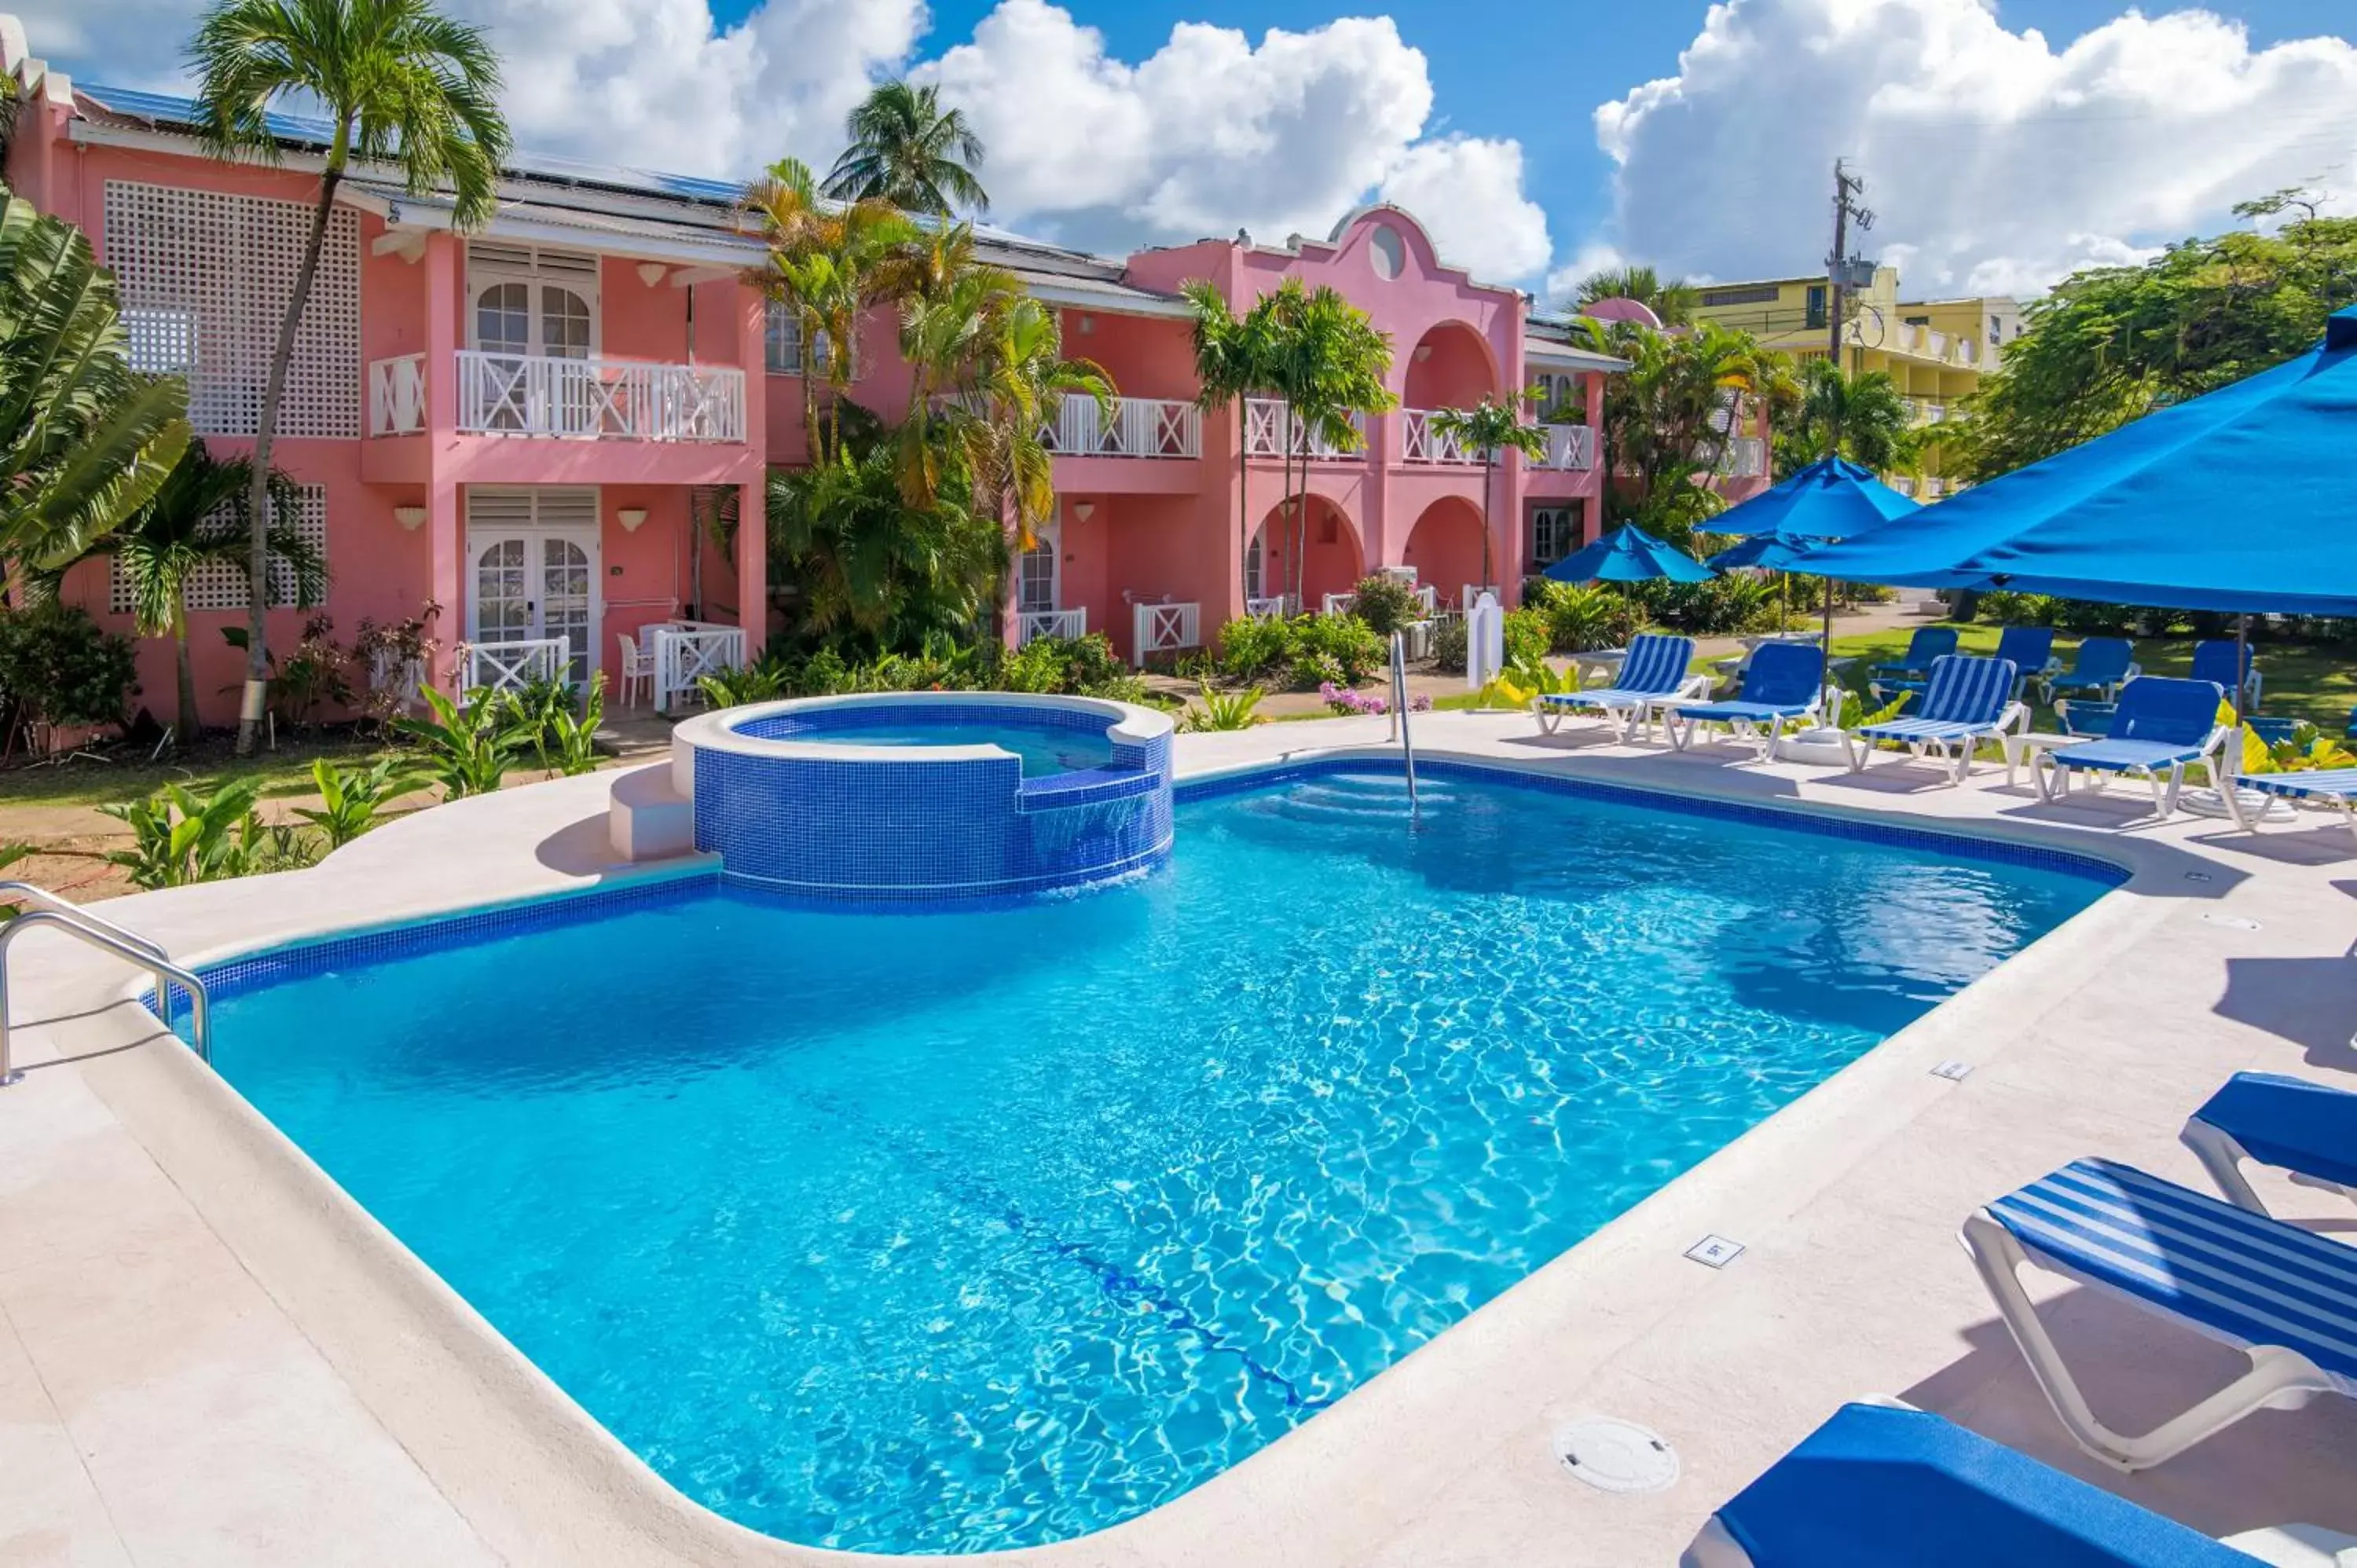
(1617, 1455)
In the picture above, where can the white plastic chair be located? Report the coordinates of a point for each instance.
(638, 668)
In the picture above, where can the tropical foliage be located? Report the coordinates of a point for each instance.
(1305, 652)
(351, 798)
(1871, 417)
(1235, 358)
(58, 668)
(906, 149)
(84, 439)
(2110, 344)
(197, 519)
(178, 837)
(468, 749)
(1216, 710)
(403, 87)
(1671, 300)
(1327, 361)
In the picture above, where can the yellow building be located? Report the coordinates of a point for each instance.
(1935, 350)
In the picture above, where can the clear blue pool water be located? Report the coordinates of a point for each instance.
(1045, 748)
(955, 1230)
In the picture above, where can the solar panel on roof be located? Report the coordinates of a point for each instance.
(165, 108)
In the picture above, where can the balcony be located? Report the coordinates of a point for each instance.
(1569, 448)
(1140, 428)
(1422, 441)
(572, 400)
(1268, 426)
(1745, 457)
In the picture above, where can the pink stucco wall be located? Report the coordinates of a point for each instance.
(1155, 526)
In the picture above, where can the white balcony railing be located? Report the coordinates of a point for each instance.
(397, 396)
(1743, 457)
(1271, 608)
(1161, 628)
(1268, 424)
(687, 650)
(1569, 446)
(1030, 624)
(512, 666)
(1140, 428)
(598, 400)
(1421, 442)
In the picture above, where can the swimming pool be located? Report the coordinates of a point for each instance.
(992, 1225)
(1043, 746)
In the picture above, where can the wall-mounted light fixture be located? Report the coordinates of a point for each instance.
(631, 518)
(650, 273)
(1422, 352)
(1088, 324)
(412, 518)
(1083, 511)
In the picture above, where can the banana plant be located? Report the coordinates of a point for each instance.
(467, 750)
(351, 798)
(179, 838)
(565, 741)
(1224, 710)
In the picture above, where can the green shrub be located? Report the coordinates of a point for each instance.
(1385, 604)
(1527, 634)
(1581, 616)
(467, 750)
(1254, 646)
(1712, 609)
(1215, 710)
(179, 838)
(1347, 642)
(56, 667)
(2086, 617)
(1311, 671)
(349, 797)
(1448, 645)
(2000, 607)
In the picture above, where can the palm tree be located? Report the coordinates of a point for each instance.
(1020, 379)
(908, 150)
(1863, 417)
(196, 518)
(950, 311)
(405, 88)
(1491, 425)
(827, 266)
(1233, 359)
(1673, 300)
(84, 439)
(1329, 361)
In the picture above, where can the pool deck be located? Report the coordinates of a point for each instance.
(209, 1355)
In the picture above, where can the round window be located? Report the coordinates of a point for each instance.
(1384, 249)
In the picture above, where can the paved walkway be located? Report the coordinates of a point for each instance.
(208, 1356)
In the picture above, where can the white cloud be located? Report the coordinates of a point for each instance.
(1998, 161)
(1209, 134)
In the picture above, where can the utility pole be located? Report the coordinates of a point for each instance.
(1847, 188)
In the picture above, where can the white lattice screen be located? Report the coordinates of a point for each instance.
(205, 278)
(221, 585)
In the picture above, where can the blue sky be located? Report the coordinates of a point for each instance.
(1533, 69)
(1999, 158)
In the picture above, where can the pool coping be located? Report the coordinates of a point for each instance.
(335, 1270)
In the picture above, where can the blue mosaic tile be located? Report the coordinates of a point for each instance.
(901, 830)
(1957, 845)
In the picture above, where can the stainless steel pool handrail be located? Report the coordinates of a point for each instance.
(42, 898)
(1400, 715)
(109, 938)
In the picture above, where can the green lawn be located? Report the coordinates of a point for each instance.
(2316, 681)
(84, 782)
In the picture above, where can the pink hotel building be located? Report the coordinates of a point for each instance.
(518, 425)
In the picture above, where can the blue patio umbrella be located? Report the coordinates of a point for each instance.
(1629, 554)
(1833, 498)
(2239, 500)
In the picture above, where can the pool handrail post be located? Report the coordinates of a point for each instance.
(66, 916)
(1399, 715)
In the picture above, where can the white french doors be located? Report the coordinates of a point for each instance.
(533, 572)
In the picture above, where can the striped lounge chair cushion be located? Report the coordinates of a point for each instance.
(2323, 784)
(2237, 1276)
(1921, 729)
(1965, 698)
(1656, 665)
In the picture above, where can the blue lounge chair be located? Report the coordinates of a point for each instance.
(2335, 785)
(2077, 715)
(1927, 645)
(2215, 660)
(2032, 648)
(2161, 727)
(2286, 1296)
(1784, 684)
(1967, 701)
(2308, 1129)
(1882, 1484)
(1654, 672)
(2104, 665)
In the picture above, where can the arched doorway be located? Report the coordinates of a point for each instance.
(1445, 548)
(1318, 556)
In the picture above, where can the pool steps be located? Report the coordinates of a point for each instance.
(648, 819)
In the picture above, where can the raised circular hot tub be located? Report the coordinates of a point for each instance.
(928, 795)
